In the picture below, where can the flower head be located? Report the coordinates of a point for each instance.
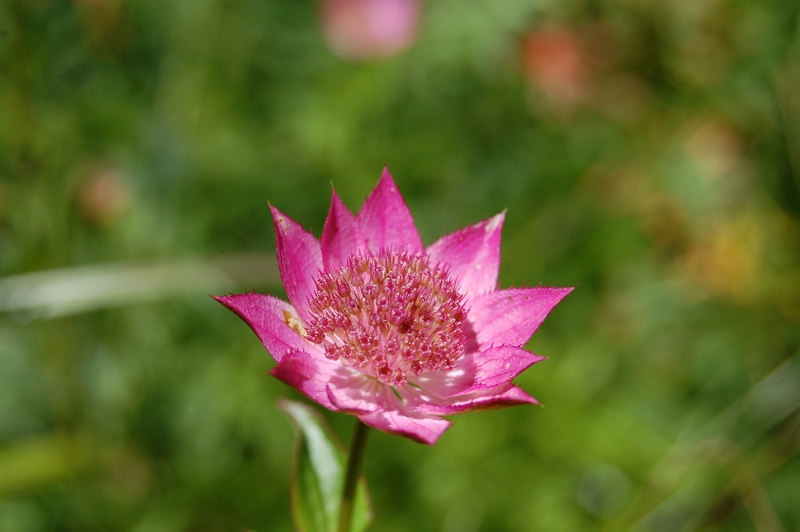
(556, 63)
(362, 30)
(393, 332)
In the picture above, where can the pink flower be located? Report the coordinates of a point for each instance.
(556, 63)
(370, 29)
(397, 334)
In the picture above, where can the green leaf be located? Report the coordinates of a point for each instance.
(319, 468)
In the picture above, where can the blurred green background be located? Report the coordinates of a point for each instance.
(647, 152)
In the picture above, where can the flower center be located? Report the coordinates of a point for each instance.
(390, 316)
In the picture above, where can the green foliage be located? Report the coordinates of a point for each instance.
(660, 173)
(318, 476)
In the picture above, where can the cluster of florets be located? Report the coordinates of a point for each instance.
(390, 316)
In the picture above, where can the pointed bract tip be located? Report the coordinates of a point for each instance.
(386, 176)
(336, 201)
(278, 218)
(495, 221)
(223, 300)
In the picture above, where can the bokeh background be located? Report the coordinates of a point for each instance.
(647, 152)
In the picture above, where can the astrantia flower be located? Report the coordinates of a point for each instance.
(393, 332)
(363, 30)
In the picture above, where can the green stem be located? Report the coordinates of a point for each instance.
(354, 461)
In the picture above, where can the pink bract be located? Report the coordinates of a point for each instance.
(395, 333)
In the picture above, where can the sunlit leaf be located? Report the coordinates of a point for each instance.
(318, 473)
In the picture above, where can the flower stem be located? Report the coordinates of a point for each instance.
(354, 461)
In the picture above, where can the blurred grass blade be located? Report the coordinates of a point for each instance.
(318, 474)
(760, 409)
(32, 464)
(54, 293)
